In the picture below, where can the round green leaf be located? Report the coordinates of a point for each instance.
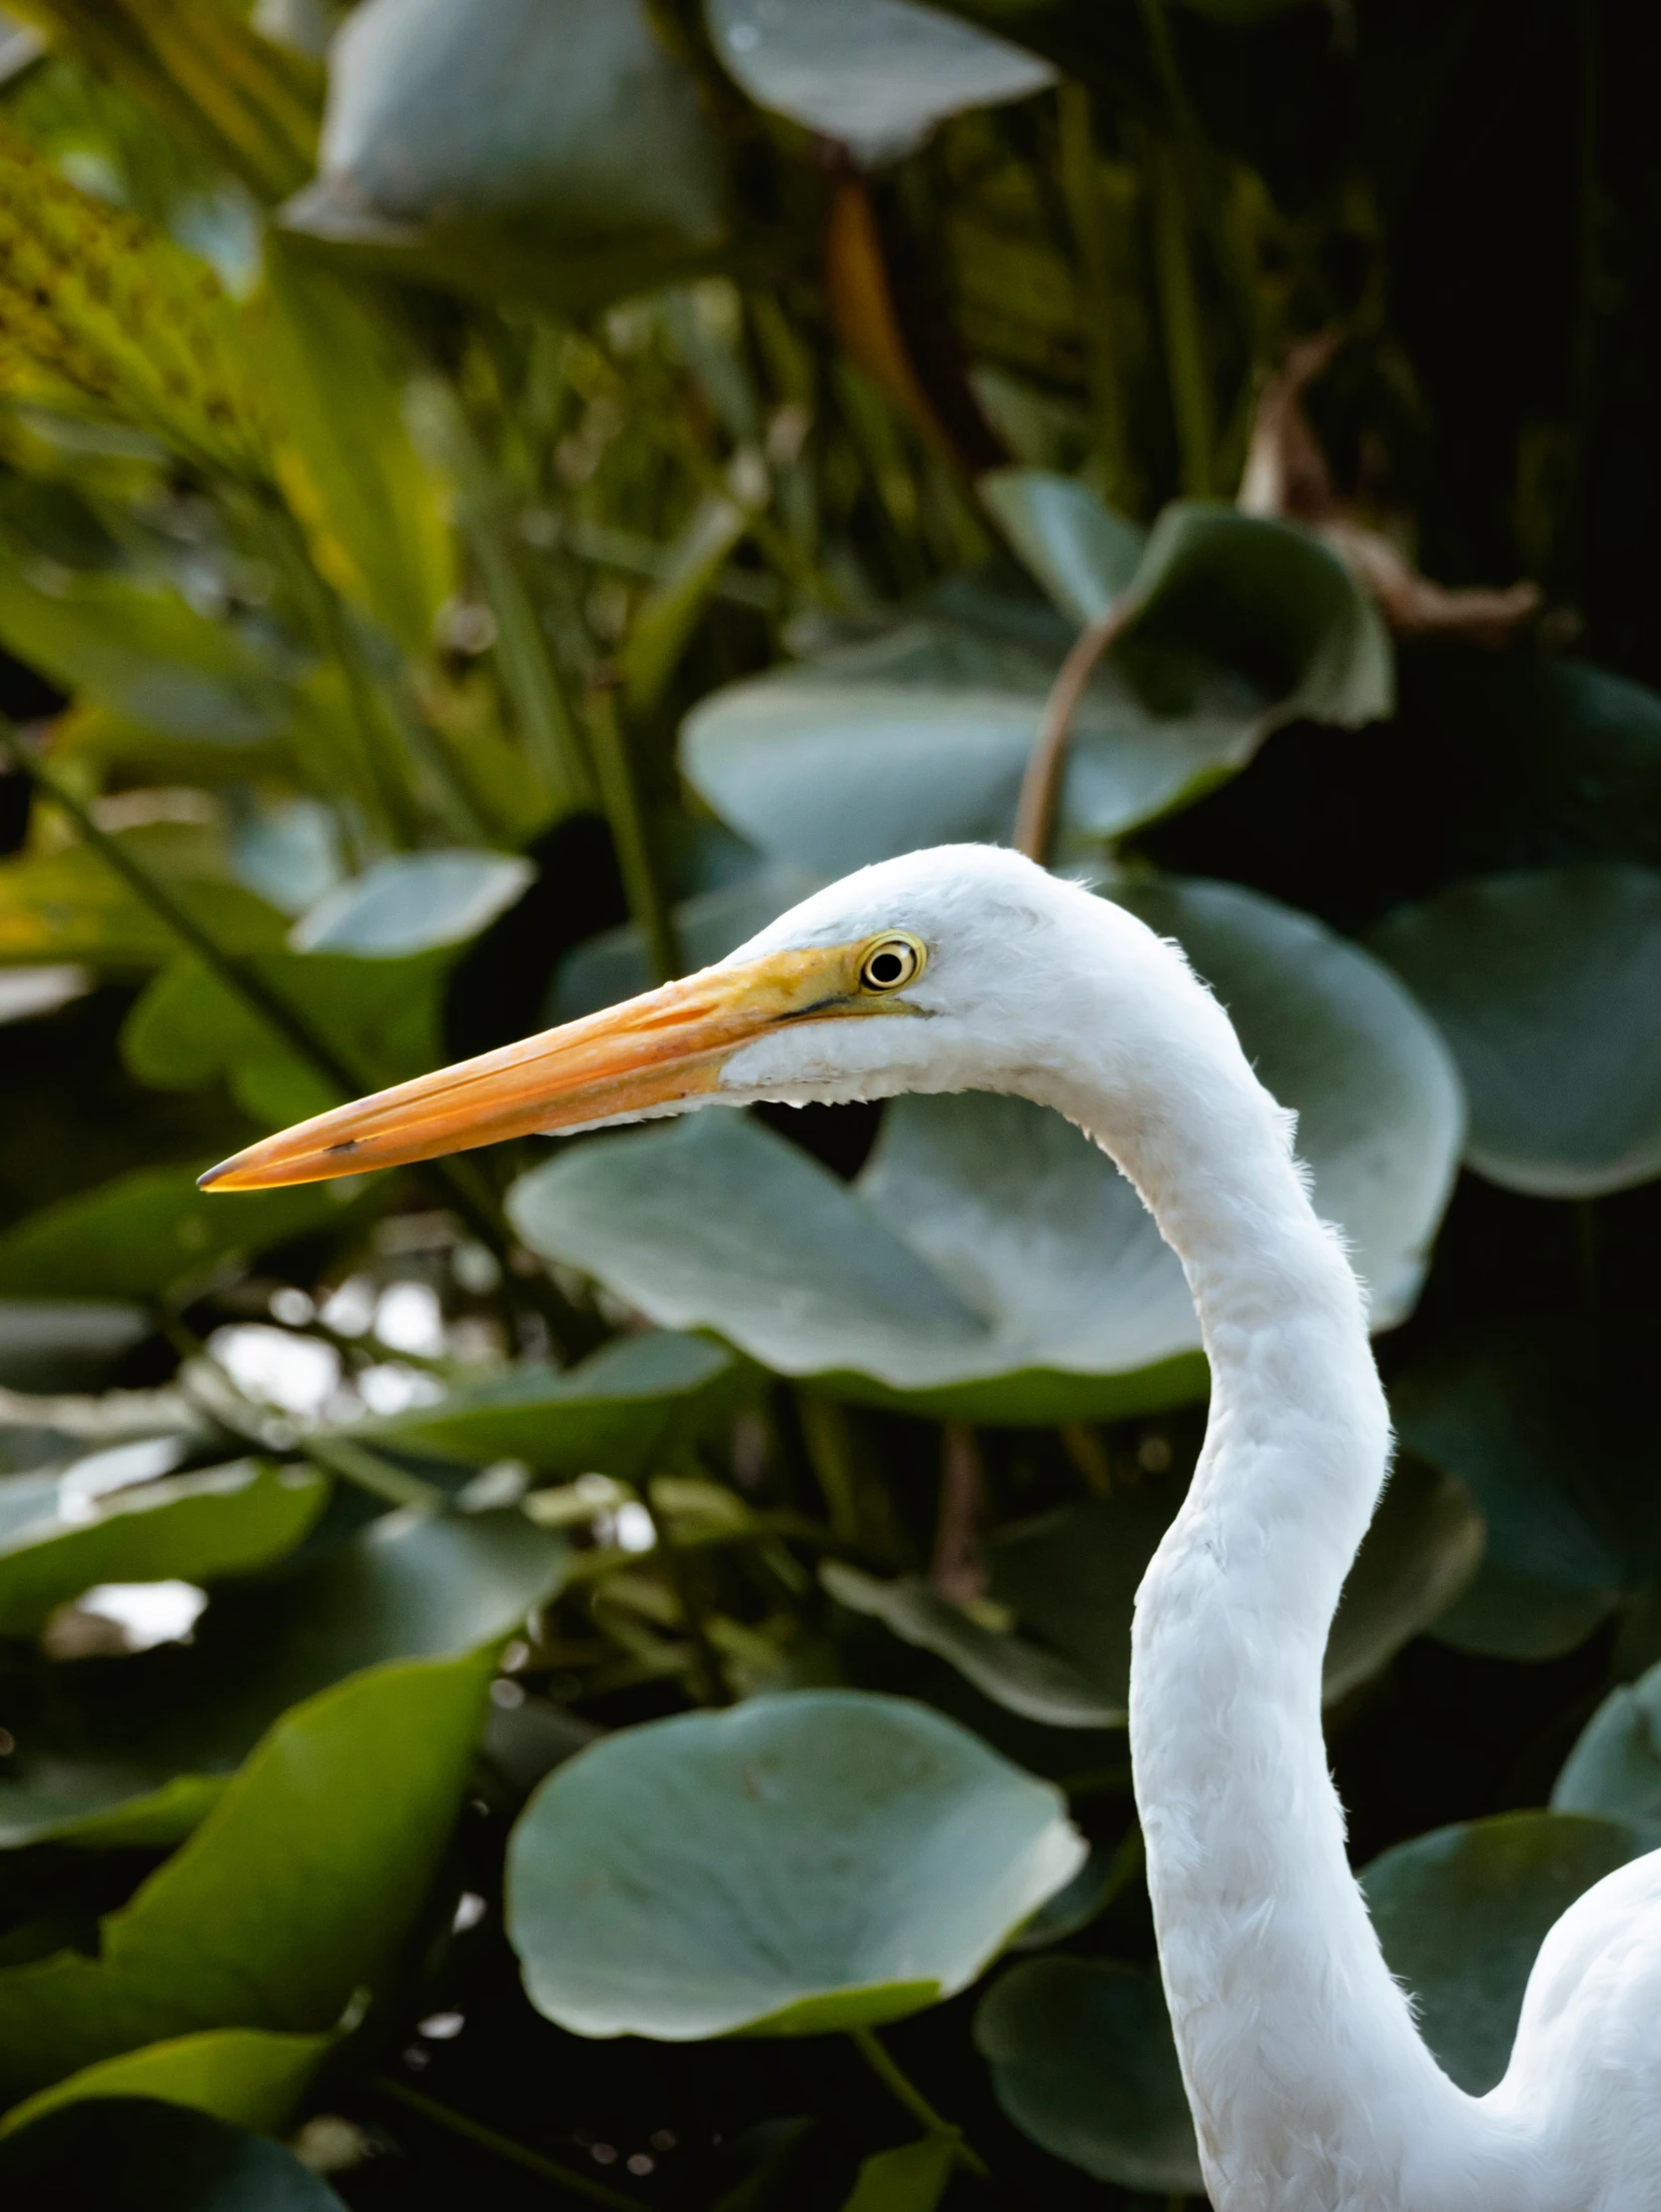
(1615, 1769)
(1545, 985)
(551, 147)
(250, 2077)
(921, 736)
(149, 2157)
(1462, 1915)
(989, 1260)
(1550, 1429)
(801, 1864)
(876, 74)
(293, 1893)
(413, 903)
(189, 1528)
(1083, 2060)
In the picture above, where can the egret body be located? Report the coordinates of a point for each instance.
(969, 967)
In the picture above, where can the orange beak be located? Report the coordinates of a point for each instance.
(652, 1050)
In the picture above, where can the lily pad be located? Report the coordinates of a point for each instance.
(1550, 1430)
(150, 2156)
(551, 149)
(1545, 985)
(292, 1895)
(820, 1860)
(620, 1412)
(1462, 1915)
(55, 1543)
(1083, 2060)
(1615, 1769)
(136, 1749)
(921, 736)
(878, 75)
(247, 2075)
(989, 1260)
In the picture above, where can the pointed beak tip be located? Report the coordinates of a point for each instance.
(217, 1178)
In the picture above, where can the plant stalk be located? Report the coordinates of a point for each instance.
(621, 799)
(520, 2154)
(905, 2091)
(1191, 391)
(1041, 787)
(1081, 185)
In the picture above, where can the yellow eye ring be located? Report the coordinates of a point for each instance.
(889, 963)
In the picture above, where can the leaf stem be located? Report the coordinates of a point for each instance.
(621, 799)
(342, 1455)
(518, 2154)
(905, 2091)
(1041, 788)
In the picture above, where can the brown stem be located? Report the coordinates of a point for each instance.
(955, 1571)
(1035, 816)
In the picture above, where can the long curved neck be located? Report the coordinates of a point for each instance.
(1310, 2083)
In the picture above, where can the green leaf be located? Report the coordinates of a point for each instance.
(189, 1528)
(911, 2178)
(248, 2077)
(1083, 2062)
(1014, 1673)
(377, 517)
(989, 1260)
(413, 903)
(544, 148)
(1462, 1913)
(151, 2156)
(136, 1749)
(1551, 1431)
(137, 647)
(1080, 552)
(149, 1233)
(66, 1345)
(921, 736)
(1615, 1767)
(70, 905)
(614, 966)
(292, 1895)
(804, 1862)
(1544, 984)
(1422, 1549)
(878, 75)
(622, 1411)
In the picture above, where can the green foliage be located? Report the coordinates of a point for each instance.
(497, 505)
(826, 1860)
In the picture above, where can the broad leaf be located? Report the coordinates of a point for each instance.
(1083, 2062)
(1615, 1767)
(56, 1542)
(878, 75)
(989, 1260)
(413, 903)
(294, 1893)
(921, 737)
(149, 2157)
(250, 2077)
(136, 1749)
(1544, 984)
(1550, 1430)
(800, 1863)
(622, 1411)
(49, 1344)
(149, 1232)
(912, 2178)
(1462, 1915)
(614, 966)
(1080, 552)
(542, 147)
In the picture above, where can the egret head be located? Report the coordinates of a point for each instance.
(903, 977)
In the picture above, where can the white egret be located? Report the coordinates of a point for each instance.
(969, 967)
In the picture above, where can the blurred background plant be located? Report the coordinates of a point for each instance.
(498, 497)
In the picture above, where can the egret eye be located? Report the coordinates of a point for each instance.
(891, 963)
